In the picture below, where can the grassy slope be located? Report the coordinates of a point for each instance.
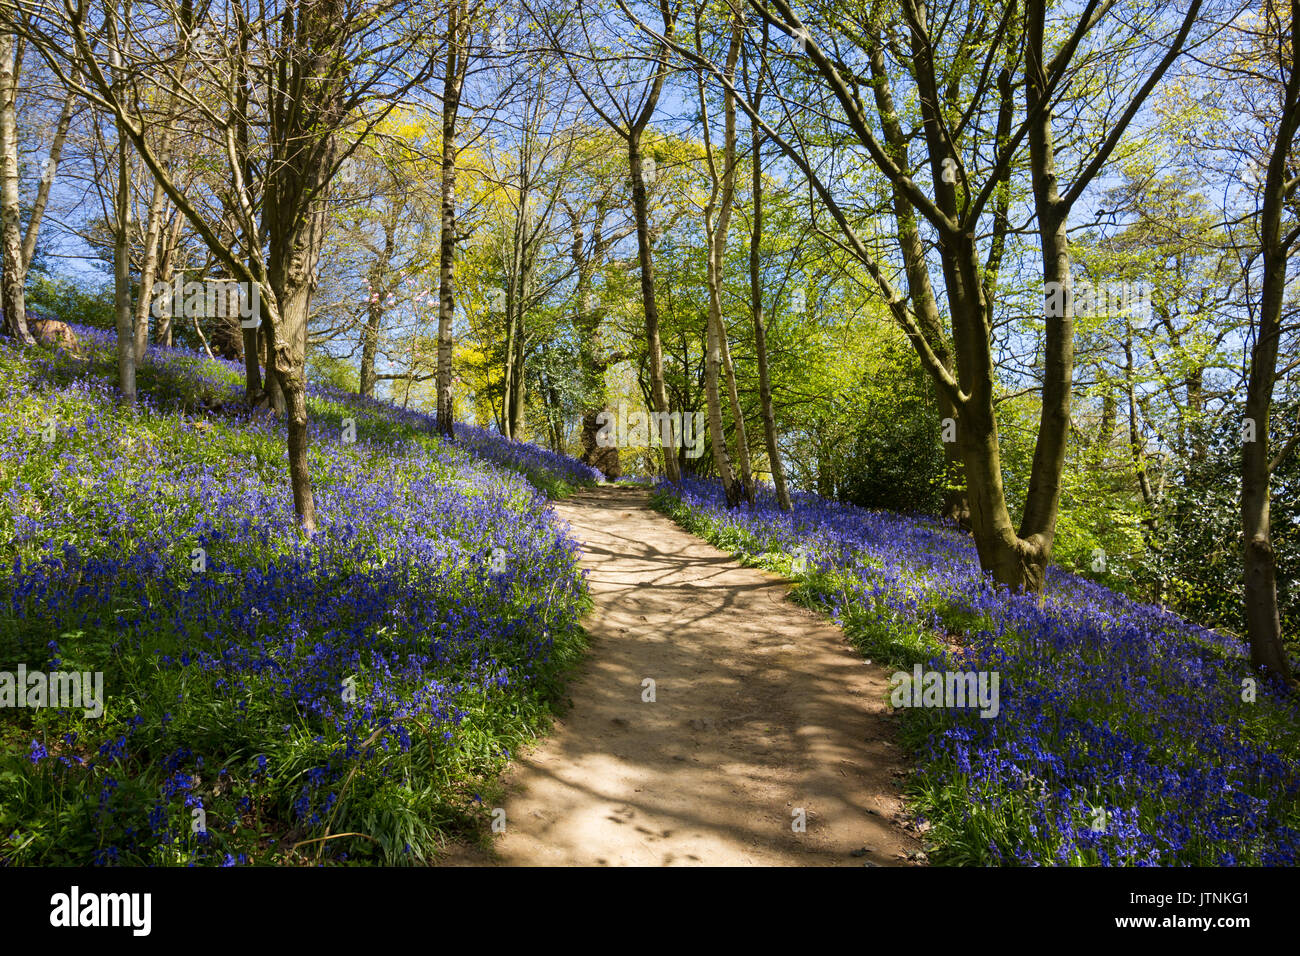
(274, 691)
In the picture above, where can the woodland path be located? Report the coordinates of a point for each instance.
(761, 708)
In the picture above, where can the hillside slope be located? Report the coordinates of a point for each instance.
(261, 691)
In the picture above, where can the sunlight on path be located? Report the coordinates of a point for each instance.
(761, 710)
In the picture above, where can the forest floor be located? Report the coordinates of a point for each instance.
(762, 716)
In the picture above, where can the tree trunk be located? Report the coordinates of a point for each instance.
(292, 289)
(508, 363)
(153, 233)
(375, 315)
(275, 395)
(266, 355)
(122, 280)
(737, 416)
(149, 264)
(369, 348)
(714, 236)
(203, 339)
(593, 363)
(296, 237)
(756, 305)
(654, 347)
(518, 280)
(46, 181)
(1042, 503)
(453, 79)
(254, 391)
(712, 399)
(518, 387)
(1263, 620)
(14, 271)
(718, 257)
(166, 321)
(287, 366)
(1136, 449)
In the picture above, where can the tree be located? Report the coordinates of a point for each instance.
(755, 92)
(626, 105)
(722, 191)
(118, 35)
(320, 68)
(971, 144)
(457, 61)
(11, 295)
(530, 178)
(1279, 37)
(19, 247)
(593, 199)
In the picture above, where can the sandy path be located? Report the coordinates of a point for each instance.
(761, 709)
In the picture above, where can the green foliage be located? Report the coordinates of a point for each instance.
(70, 301)
(1197, 562)
(326, 369)
(893, 459)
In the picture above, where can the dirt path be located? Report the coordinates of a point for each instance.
(761, 709)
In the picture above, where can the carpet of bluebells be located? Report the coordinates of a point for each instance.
(266, 696)
(1125, 736)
